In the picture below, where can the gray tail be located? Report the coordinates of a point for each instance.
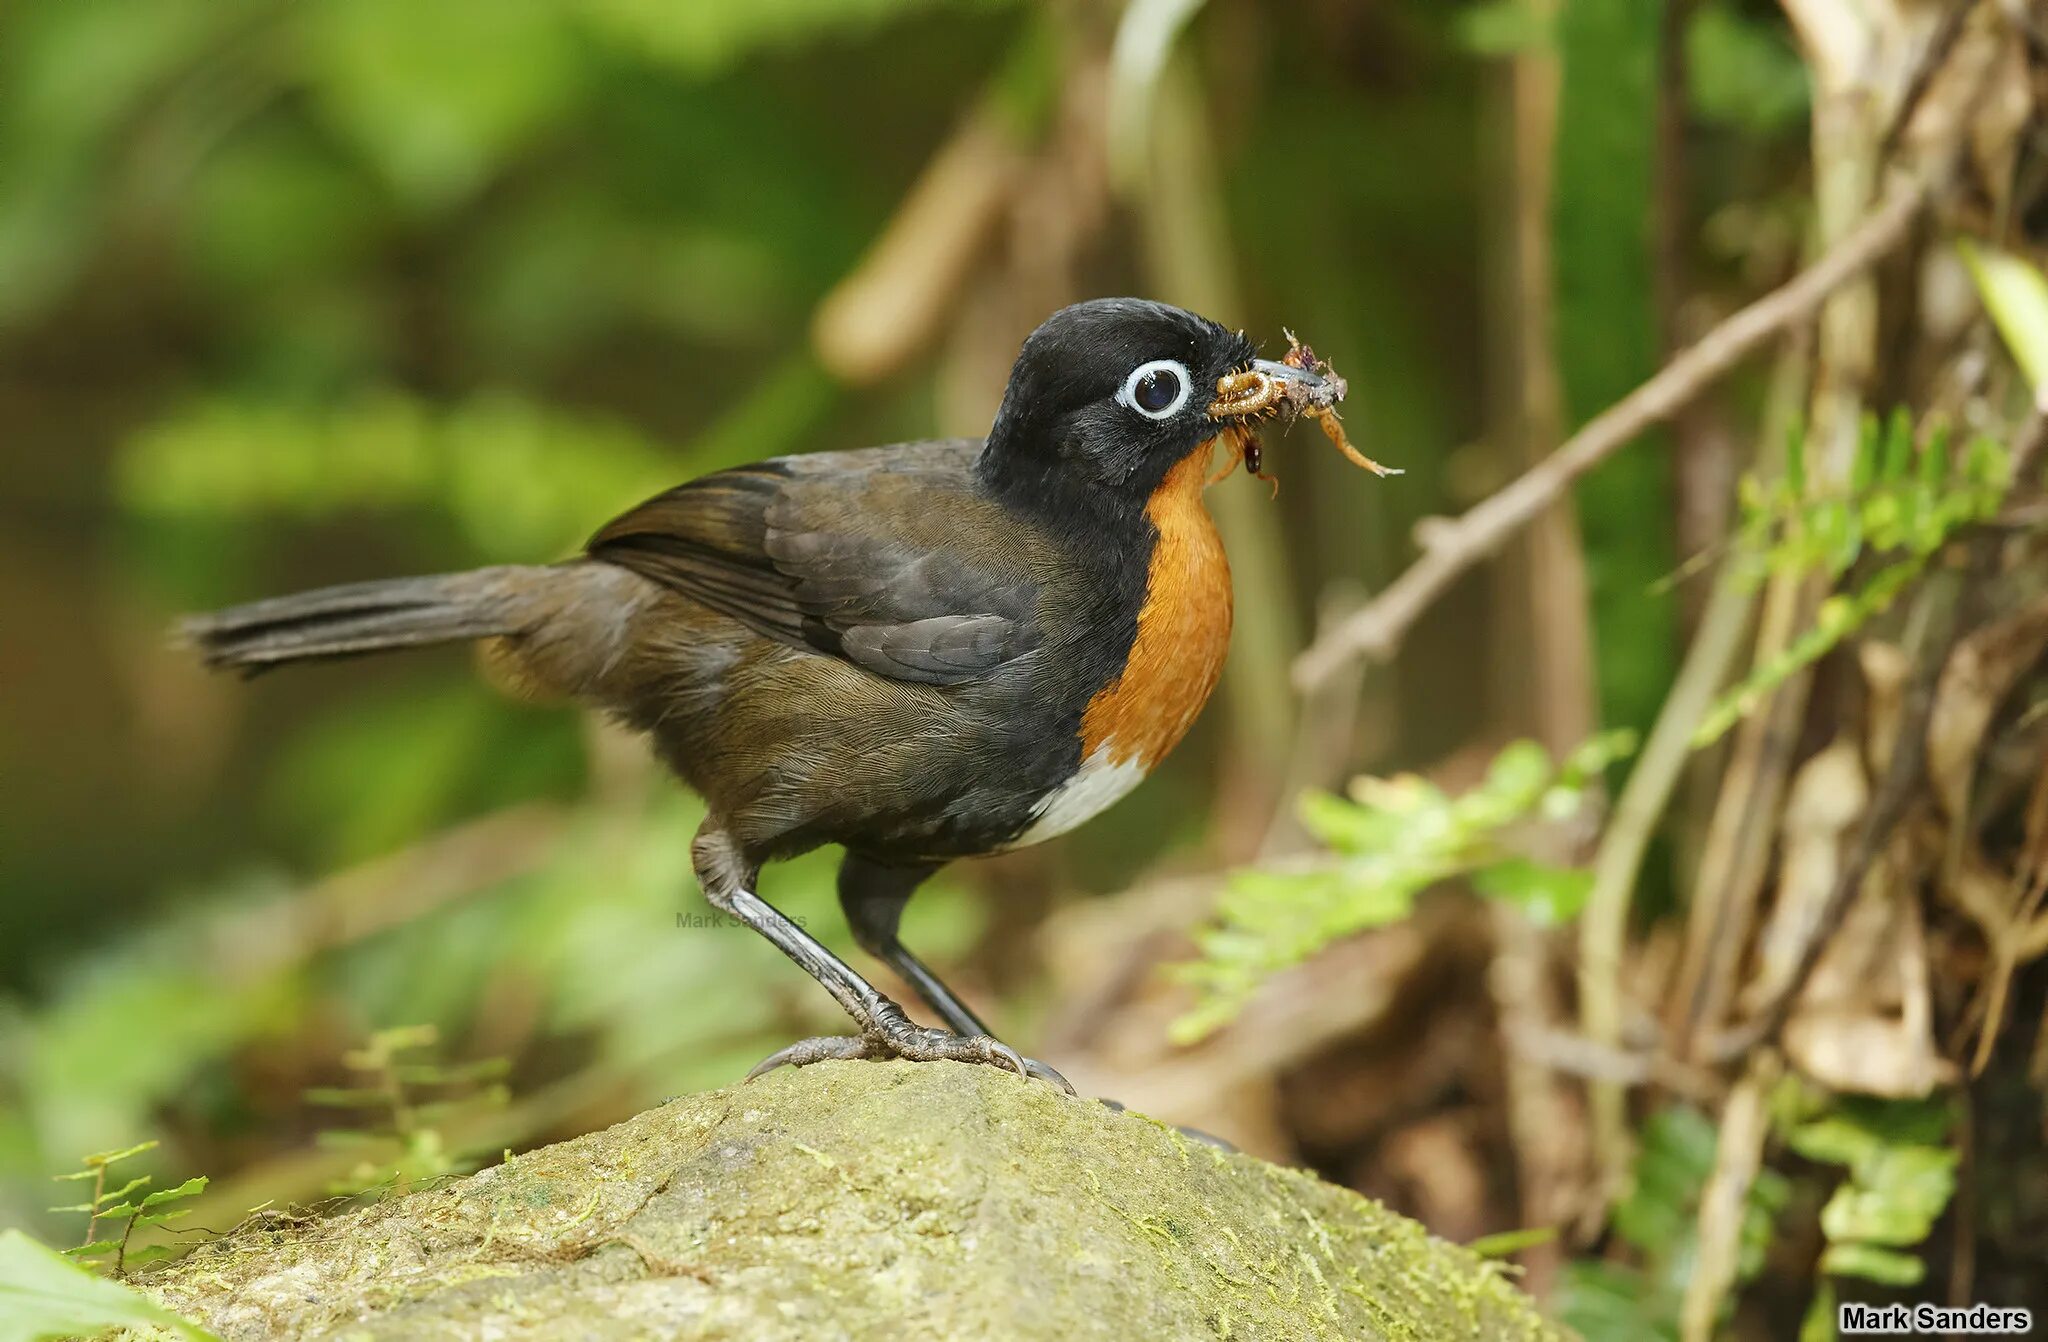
(365, 617)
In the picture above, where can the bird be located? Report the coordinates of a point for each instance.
(921, 652)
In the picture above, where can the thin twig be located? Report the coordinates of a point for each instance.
(1932, 633)
(1735, 850)
(1603, 930)
(1575, 1055)
(1932, 58)
(1709, 852)
(1738, 1156)
(2027, 447)
(1962, 1263)
(1450, 547)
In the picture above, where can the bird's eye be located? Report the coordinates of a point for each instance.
(1157, 389)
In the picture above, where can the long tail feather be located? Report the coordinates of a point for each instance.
(364, 617)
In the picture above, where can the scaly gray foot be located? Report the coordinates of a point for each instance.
(913, 1044)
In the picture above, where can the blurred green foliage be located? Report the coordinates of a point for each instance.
(513, 478)
(44, 1294)
(291, 139)
(1657, 1220)
(1604, 214)
(1908, 494)
(1389, 841)
(1743, 74)
(408, 1098)
(1901, 1173)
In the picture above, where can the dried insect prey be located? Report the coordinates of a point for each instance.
(1312, 388)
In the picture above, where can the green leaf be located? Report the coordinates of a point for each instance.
(1886, 1266)
(1834, 1139)
(1607, 1302)
(1900, 1182)
(103, 1158)
(1509, 1242)
(115, 1195)
(1520, 770)
(1838, 617)
(1868, 1216)
(42, 1294)
(190, 1188)
(2015, 293)
(1347, 826)
(1548, 895)
(1902, 1122)
(1895, 1195)
(1672, 1165)
(92, 1250)
(1596, 754)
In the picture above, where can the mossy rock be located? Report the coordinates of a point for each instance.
(859, 1201)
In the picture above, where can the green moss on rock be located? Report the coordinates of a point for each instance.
(862, 1201)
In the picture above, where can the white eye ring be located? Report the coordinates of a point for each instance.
(1129, 395)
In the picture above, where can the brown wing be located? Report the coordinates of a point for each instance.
(886, 557)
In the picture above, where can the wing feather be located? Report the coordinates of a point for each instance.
(889, 558)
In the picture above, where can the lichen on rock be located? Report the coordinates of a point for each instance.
(861, 1201)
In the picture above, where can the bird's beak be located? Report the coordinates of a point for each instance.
(1267, 388)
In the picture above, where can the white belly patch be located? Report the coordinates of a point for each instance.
(1098, 784)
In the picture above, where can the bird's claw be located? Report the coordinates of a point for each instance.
(912, 1044)
(804, 1052)
(1046, 1074)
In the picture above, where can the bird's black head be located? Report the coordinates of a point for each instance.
(1106, 397)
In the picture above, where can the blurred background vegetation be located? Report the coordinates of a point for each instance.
(305, 293)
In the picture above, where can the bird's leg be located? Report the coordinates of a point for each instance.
(885, 1032)
(873, 896)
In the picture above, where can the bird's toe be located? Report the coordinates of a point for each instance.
(804, 1052)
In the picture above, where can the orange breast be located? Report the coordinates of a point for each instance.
(1183, 629)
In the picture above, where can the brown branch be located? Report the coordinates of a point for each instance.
(1932, 58)
(1451, 547)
